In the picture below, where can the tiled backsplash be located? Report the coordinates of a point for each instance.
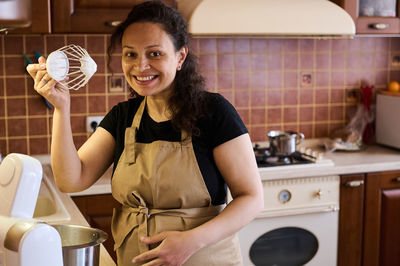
(290, 84)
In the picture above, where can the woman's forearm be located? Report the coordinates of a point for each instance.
(237, 214)
(65, 161)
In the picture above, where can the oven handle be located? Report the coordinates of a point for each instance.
(298, 211)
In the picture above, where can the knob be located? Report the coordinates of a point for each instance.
(318, 194)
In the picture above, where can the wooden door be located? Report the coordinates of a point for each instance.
(91, 16)
(41, 18)
(382, 219)
(351, 220)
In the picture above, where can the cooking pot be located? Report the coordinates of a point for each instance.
(283, 143)
(80, 244)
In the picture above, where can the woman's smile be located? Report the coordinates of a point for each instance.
(145, 80)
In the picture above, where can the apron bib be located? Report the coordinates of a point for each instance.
(161, 188)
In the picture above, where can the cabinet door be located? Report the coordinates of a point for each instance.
(40, 18)
(98, 210)
(371, 24)
(91, 16)
(351, 220)
(382, 219)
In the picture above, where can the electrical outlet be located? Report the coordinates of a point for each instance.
(92, 122)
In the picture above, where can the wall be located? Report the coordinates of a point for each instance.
(290, 84)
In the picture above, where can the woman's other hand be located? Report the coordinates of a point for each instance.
(175, 248)
(47, 86)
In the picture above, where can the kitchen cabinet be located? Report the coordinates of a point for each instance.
(91, 16)
(369, 220)
(351, 220)
(371, 24)
(382, 219)
(40, 18)
(98, 210)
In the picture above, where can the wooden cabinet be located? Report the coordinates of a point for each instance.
(40, 18)
(382, 219)
(371, 24)
(91, 16)
(98, 210)
(369, 223)
(351, 220)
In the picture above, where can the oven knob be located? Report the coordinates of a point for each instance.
(285, 196)
(318, 194)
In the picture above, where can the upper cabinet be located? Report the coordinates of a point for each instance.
(40, 18)
(91, 16)
(372, 16)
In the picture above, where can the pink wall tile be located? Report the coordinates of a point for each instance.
(208, 62)
(14, 65)
(242, 80)
(78, 124)
(323, 45)
(307, 130)
(225, 45)
(18, 145)
(354, 45)
(307, 61)
(208, 46)
(339, 45)
(257, 98)
(306, 96)
(211, 80)
(242, 98)
(337, 95)
(274, 61)
(291, 79)
(274, 116)
(275, 45)
(97, 104)
(258, 133)
(291, 61)
(13, 45)
(275, 79)
(54, 42)
(321, 130)
(225, 81)
(34, 43)
(290, 97)
(337, 78)
(382, 60)
(322, 78)
(291, 45)
(242, 62)
(15, 86)
(367, 60)
(39, 146)
(337, 113)
(353, 60)
(37, 126)
(258, 45)
(2, 128)
(2, 108)
(91, 47)
(338, 60)
(367, 44)
(306, 114)
(258, 80)
(321, 96)
(290, 114)
(244, 115)
(242, 45)
(225, 62)
(259, 62)
(321, 113)
(78, 104)
(96, 44)
(274, 98)
(16, 127)
(307, 45)
(258, 116)
(36, 106)
(16, 107)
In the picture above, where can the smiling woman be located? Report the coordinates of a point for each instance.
(175, 149)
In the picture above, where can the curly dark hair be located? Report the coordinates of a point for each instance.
(186, 102)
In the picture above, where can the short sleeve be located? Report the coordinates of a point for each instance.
(226, 122)
(110, 121)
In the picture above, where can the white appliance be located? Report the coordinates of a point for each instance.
(23, 240)
(387, 126)
(298, 226)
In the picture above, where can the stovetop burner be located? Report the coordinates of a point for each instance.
(265, 158)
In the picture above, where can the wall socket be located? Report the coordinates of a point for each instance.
(92, 122)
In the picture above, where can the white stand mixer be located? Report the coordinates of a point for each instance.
(23, 240)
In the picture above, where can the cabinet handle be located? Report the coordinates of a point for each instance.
(396, 179)
(114, 23)
(379, 26)
(355, 183)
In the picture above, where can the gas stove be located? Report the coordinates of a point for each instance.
(266, 158)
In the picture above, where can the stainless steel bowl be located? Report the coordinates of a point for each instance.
(80, 244)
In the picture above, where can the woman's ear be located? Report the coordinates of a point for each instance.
(182, 53)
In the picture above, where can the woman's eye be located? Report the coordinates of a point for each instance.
(130, 54)
(155, 54)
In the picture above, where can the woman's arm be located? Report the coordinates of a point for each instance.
(73, 170)
(236, 161)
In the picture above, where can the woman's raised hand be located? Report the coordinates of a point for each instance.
(47, 86)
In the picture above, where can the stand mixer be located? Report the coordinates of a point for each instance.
(24, 241)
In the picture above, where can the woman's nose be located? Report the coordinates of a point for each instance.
(142, 64)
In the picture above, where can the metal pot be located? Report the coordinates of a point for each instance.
(80, 244)
(283, 143)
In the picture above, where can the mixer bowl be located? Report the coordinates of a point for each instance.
(80, 244)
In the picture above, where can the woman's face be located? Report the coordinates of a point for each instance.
(149, 59)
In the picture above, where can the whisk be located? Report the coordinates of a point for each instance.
(71, 66)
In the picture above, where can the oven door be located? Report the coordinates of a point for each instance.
(305, 239)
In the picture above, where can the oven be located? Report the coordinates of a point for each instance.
(298, 226)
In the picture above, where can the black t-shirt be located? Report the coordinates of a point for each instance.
(221, 125)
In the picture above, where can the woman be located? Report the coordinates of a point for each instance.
(174, 147)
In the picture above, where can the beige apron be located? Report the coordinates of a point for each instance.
(161, 188)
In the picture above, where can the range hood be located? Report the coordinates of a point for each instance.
(15, 14)
(267, 18)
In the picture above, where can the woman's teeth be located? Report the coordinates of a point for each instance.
(147, 78)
